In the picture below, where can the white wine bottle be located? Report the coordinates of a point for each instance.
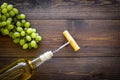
(23, 69)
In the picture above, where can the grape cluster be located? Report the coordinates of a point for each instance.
(14, 24)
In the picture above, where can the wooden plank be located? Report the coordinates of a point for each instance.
(80, 15)
(95, 37)
(90, 68)
(93, 23)
(59, 9)
(68, 4)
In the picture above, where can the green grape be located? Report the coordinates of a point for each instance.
(18, 24)
(33, 43)
(13, 36)
(23, 21)
(37, 34)
(25, 29)
(29, 45)
(9, 7)
(10, 19)
(0, 16)
(25, 46)
(16, 34)
(22, 16)
(8, 22)
(18, 16)
(28, 38)
(27, 24)
(0, 24)
(12, 13)
(4, 5)
(3, 23)
(7, 15)
(34, 30)
(22, 33)
(10, 34)
(3, 17)
(29, 30)
(33, 35)
(15, 10)
(6, 31)
(19, 29)
(22, 42)
(36, 46)
(10, 26)
(38, 38)
(4, 10)
(16, 40)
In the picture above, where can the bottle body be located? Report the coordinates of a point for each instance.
(21, 69)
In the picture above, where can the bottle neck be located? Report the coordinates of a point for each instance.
(42, 58)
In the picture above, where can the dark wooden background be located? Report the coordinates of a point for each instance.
(95, 24)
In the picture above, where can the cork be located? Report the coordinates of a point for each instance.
(71, 40)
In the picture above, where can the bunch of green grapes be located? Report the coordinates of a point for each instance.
(15, 26)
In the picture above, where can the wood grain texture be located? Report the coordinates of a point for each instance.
(95, 25)
(69, 9)
(95, 68)
(95, 37)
